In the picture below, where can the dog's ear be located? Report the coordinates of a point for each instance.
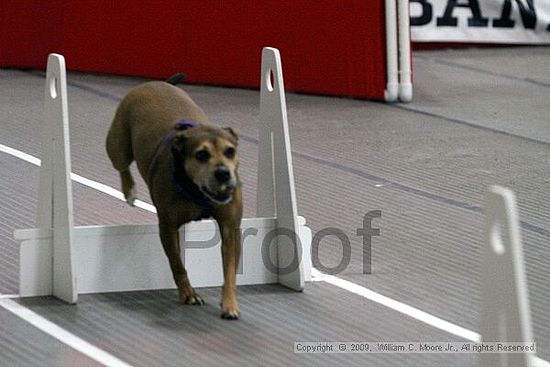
(178, 144)
(180, 137)
(232, 132)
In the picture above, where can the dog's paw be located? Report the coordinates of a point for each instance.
(192, 299)
(230, 310)
(230, 315)
(131, 197)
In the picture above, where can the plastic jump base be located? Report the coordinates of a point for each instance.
(62, 260)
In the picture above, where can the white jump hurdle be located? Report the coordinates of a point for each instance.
(505, 313)
(59, 259)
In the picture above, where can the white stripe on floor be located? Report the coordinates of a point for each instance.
(400, 307)
(2, 296)
(77, 178)
(61, 334)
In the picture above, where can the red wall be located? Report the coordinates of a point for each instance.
(327, 47)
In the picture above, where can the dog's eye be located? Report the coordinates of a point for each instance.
(202, 156)
(229, 153)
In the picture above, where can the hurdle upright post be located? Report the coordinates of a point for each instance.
(276, 196)
(505, 314)
(55, 202)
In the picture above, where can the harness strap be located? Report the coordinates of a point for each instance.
(167, 138)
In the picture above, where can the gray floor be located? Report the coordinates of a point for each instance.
(479, 117)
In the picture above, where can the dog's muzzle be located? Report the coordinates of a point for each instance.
(221, 187)
(222, 195)
(222, 175)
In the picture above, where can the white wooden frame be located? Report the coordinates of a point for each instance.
(62, 260)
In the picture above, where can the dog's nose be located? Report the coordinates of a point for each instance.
(222, 174)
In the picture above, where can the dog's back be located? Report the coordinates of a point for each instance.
(143, 117)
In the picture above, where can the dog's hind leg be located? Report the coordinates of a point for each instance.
(128, 186)
(119, 150)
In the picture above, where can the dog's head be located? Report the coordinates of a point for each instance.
(210, 159)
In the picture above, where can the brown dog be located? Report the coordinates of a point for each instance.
(190, 167)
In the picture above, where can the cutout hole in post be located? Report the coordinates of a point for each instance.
(53, 87)
(496, 239)
(270, 80)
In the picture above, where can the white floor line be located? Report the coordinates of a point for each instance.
(400, 307)
(77, 178)
(12, 296)
(62, 335)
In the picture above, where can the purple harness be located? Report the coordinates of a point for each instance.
(182, 125)
(185, 186)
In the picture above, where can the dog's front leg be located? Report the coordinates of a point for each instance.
(170, 241)
(231, 253)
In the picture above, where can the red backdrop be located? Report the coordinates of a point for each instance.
(327, 47)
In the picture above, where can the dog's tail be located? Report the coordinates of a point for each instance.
(176, 79)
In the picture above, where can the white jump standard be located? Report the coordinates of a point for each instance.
(505, 312)
(62, 260)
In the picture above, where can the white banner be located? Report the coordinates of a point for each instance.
(481, 21)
